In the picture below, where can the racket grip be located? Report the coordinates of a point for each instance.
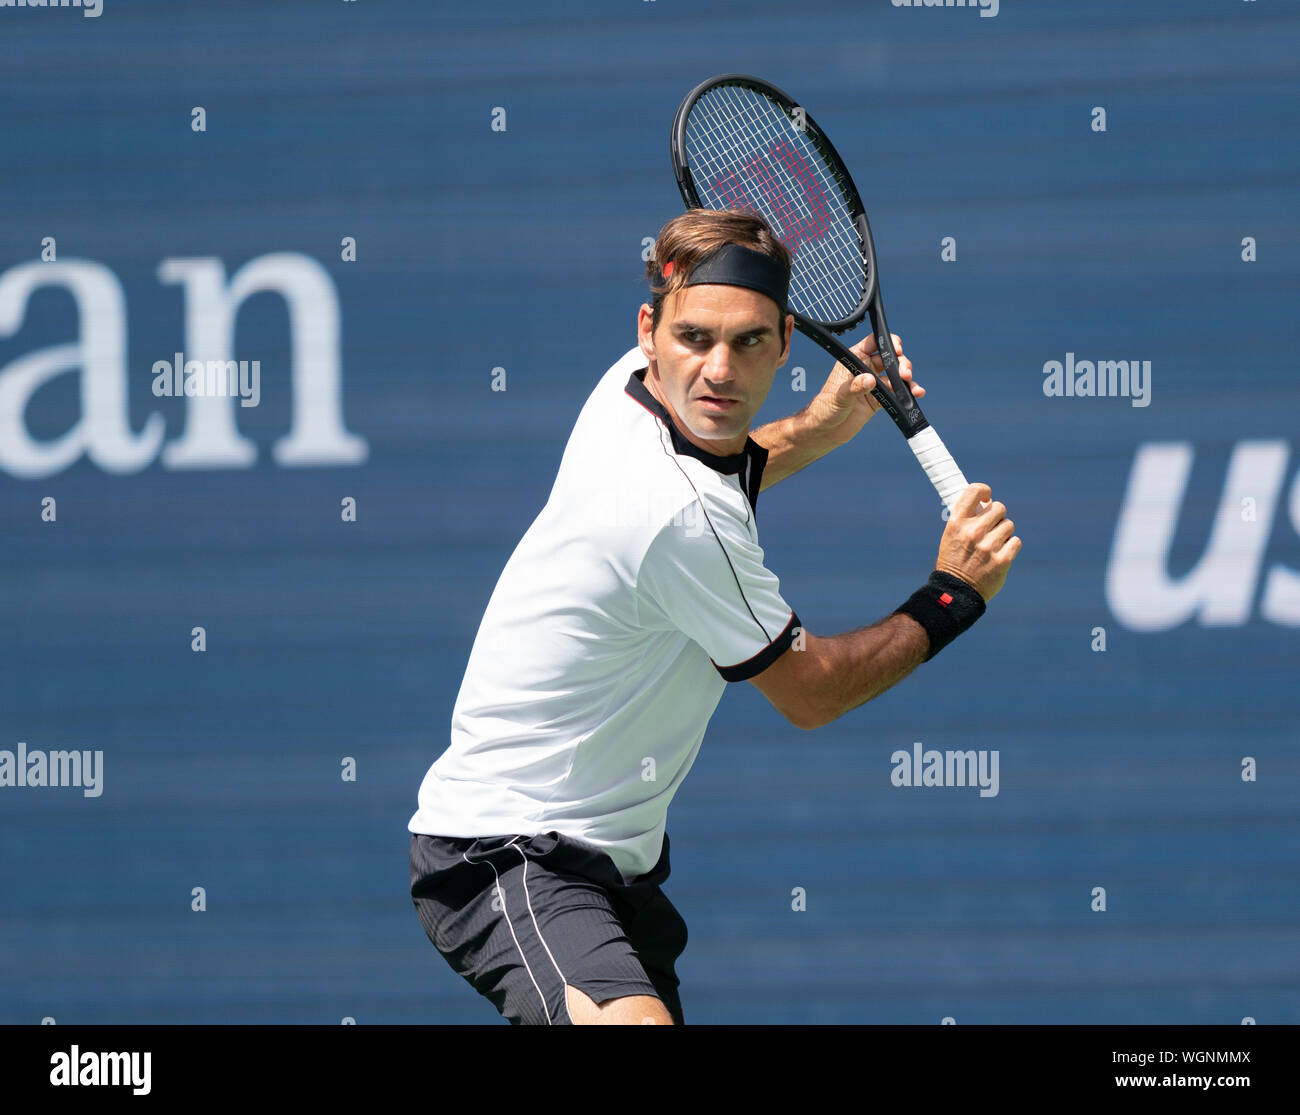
(938, 464)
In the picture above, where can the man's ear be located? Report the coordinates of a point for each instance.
(645, 331)
(789, 331)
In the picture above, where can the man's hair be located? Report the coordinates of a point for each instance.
(694, 236)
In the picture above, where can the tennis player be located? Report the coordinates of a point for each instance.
(539, 848)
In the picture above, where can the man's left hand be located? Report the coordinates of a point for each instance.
(845, 403)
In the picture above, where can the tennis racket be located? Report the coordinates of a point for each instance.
(740, 143)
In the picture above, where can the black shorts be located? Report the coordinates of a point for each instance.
(562, 914)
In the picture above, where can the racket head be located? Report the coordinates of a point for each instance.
(741, 143)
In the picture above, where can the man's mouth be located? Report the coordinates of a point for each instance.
(717, 402)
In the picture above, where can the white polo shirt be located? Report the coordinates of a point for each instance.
(637, 593)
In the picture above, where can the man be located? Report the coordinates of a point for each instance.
(539, 845)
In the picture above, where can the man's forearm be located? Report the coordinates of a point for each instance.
(862, 664)
(791, 443)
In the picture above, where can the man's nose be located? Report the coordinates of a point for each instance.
(718, 367)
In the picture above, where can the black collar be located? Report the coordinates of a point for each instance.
(748, 463)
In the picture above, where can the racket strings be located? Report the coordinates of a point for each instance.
(746, 153)
(827, 277)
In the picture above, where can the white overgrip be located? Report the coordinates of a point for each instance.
(938, 464)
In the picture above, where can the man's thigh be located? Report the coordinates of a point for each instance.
(515, 918)
(627, 1010)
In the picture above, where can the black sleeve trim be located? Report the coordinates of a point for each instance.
(752, 667)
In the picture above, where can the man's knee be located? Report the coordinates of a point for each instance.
(626, 1010)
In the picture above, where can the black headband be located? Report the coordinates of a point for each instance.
(736, 265)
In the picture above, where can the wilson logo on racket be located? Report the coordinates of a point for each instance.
(798, 218)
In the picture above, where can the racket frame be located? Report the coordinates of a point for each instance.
(895, 398)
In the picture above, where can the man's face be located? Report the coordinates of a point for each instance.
(712, 360)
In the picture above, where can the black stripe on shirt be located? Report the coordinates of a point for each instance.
(752, 667)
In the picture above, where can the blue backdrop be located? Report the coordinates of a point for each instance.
(1137, 676)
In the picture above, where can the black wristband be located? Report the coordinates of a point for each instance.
(945, 606)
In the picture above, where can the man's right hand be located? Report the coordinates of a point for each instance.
(977, 544)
